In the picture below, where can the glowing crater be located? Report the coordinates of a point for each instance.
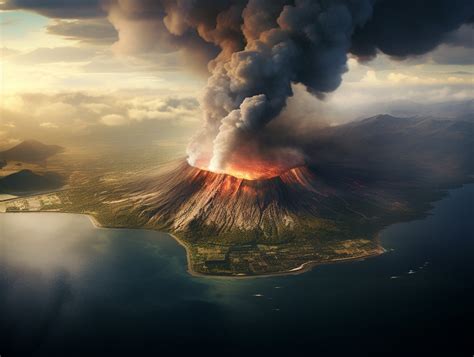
(251, 170)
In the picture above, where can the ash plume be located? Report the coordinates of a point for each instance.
(257, 49)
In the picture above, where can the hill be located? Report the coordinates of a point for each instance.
(31, 151)
(28, 181)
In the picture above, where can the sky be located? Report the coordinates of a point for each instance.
(66, 77)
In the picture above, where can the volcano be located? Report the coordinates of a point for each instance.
(236, 226)
(187, 197)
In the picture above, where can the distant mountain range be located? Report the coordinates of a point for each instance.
(385, 146)
(30, 151)
(407, 108)
(28, 181)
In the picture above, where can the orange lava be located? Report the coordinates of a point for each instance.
(252, 183)
(251, 169)
(254, 172)
(250, 162)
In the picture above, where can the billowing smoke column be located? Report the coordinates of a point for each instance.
(305, 42)
(259, 48)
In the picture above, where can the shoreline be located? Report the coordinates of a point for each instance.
(301, 269)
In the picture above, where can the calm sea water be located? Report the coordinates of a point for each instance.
(67, 288)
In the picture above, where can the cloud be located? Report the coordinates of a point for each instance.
(457, 49)
(114, 120)
(196, 31)
(149, 63)
(70, 9)
(55, 112)
(453, 55)
(7, 143)
(90, 31)
(181, 109)
(96, 108)
(402, 28)
(463, 37)
(7, 52)
(409, 79)
(48, 125)
(56, 54)
(8, 22)
(81, 117)
(258, 49)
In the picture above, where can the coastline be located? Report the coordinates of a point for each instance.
(301, 269)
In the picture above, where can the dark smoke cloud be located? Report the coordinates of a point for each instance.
(257, 49)
(66, 9)
(200, 30)
(306, 42)
(402, 28)
(464, 37)
(303, 42)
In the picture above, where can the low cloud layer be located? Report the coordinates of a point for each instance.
(88, 31)
(82, 118)
(70, 9)
(57, 54)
